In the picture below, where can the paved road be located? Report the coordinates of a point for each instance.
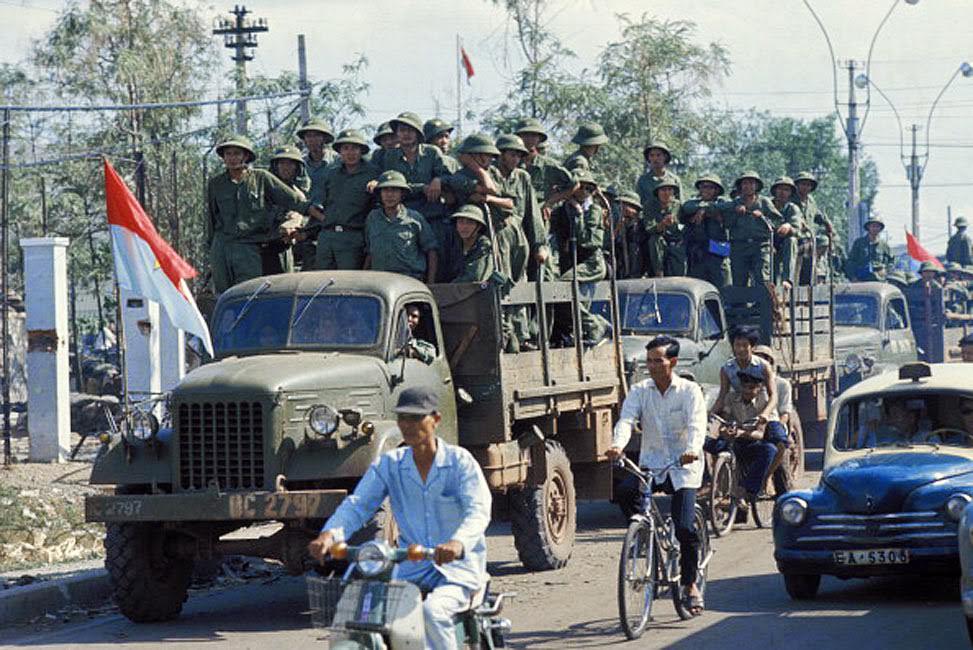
(575, 607)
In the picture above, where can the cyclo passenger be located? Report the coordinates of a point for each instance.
(744, 339)
(671, 412)
(439, 499)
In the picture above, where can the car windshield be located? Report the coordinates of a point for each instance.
(322, 321)
(654, 311)
(904, 421)
(856, 310)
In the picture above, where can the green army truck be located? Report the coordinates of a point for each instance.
(298, 402)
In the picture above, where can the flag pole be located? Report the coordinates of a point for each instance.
(119, 334)
(459, 87)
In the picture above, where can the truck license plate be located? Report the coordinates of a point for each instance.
(872, 556)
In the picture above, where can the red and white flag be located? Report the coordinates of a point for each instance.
(146, 264)
(467, 64)
(917, 252)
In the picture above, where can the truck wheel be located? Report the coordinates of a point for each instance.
(147, 585)
(795, 451)
(543, 518)
(802, 586)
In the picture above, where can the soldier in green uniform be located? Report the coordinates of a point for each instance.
(438, 133)
(399, 239)
(385, 140)
(956, 293)
(516, 184)
(824, 270)
(241, 203)
(631, 243)
(749, 220)
(347, 202)
(317, 136)
(286, 164)
(657, 156)
(707, 244)
(960, 247)
(929, 275)
(665, 234)
(869, 256)
(589, 138)
(815, 222)
(477, 249)
(787, 231)
(552, 182)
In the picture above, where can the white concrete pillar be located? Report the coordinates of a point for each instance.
(48, 389)
(173, 347)
(142, 354)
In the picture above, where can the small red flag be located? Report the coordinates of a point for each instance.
(467, 64)
(917, 252)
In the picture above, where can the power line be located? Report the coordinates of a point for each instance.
(149, 106)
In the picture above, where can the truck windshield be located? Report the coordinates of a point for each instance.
(330, 321)
(927, 418)
(856, 310)
(655, 312)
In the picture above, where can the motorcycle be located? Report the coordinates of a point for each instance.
(367, 608)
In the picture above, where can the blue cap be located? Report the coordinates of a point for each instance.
(750, 375)
(418, 401)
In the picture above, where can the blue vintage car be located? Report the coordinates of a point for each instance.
(898, 473)
(966, 563)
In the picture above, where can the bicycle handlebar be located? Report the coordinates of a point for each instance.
(647, 474)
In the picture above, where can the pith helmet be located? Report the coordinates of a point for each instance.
(434, 127)
(409, 119)
(953, 266)
(822, 241)
(784, 180)
(584, 176)
(661, 146)
(631, 198)
(897, 278)
(510, 141)
(471, 212)
(929, 266)
(874, 219)
(531, 125)
(287, 152)
(807, 176)
(240, 142)
(383, 130)
(961, 222)
(478, 143)
(710, 178)
(589, 133)
(748, 174)
(351, 136)
(394, 179)
(317, 125)
(666, 183)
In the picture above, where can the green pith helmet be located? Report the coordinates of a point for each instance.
(749, 174)
(392, 178)
(384, 129)
(317, 125)
(351, 136)
(960, 222)
(287, 152)
(589, 134)
(896, 277)
(434, 127)
(661, 146)
(874, 219)
(783, 180)
(471, 212)
(822, 241)
(510, 141)
(911, 276)
(953, 266)
(806, 176)
(409, 119)
(929, 266)
(531, 125)
(240, 142)
(477, 143)
(631, 198)
(710, 178)
(666, 183)
(584, 176)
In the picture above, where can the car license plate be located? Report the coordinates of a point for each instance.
(872, 556)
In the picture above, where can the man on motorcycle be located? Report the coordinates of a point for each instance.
(439, 499)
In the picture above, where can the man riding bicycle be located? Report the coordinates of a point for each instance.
(439, 499)
(671, 413)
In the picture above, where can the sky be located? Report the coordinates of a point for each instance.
(780, 63)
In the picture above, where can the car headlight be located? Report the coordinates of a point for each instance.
(322, 419)
(956, 504)
(373, 558)
(143, 426)
(793, 511)
(852, 362)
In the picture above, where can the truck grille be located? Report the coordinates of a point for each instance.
(222, 443)
(889, 527)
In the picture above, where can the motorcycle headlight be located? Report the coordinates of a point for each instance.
(852, 363)
(956, 504)
(793, 511)
(373, 559)
(143, 426)
(322, 419)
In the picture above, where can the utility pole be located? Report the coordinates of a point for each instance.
(851, 130)
(5, 207)
(240, 35)
(914, 172)
(302, 79)
(949, 222)
(459, 87)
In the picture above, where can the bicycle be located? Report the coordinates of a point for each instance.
(649, 563)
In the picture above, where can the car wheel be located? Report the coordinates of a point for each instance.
(969, 628)
(802, 586)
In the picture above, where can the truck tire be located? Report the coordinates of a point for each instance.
(543, 518)
(147, 586)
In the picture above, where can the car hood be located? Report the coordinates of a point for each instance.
(633, 348)
(854, 339)
(881, 482)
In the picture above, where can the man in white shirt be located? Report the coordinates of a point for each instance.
(671, 413)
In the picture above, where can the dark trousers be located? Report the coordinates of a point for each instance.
(756, 456)
(683, 511)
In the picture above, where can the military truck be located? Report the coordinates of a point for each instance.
(299, 400)
(872, 331)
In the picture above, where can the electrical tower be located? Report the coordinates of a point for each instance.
(240, 35)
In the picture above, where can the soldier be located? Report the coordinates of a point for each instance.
(822, 268)
(552, 182)
(477, 248)
(239, 202)
(397, 238)
(814, 218)
(385, 140)
(749, 219)
(960, 247)
(589, 138)
(869, 256)
(708, 248)
(317, 135)
(657, 156)
(438, 132)
(347, 202)
(277, 254)
(665, 234)
(629, 251)
(787, 231)
(956, 294)
(516, 184)
(929, 275)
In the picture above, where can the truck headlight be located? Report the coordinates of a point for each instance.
(852, 363)
(373, 558)
(143, 426)
(322, 419)
(793, 511)
(956, 504)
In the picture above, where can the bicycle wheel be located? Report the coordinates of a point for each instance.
(636, 579)
(722, 506)
(701, 570)
(762, 508)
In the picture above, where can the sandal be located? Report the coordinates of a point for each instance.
(694, 604)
